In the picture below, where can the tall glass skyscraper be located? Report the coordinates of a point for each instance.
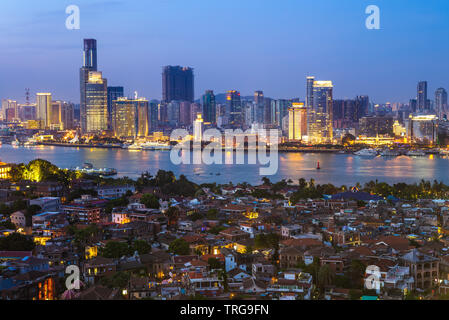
(43, 109)
(130, 117)
(209, 107)
(93, 92)
(320, 130)
(96, 106)
(421, 98)
(177, 84)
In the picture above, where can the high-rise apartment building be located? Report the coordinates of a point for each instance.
(297, 121)
(234, 112)
(113, 94)
(95, 103)
(441, 107)
(44, 109)
(320, 126)
(177, 84)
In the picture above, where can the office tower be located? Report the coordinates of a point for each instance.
(162, 113)
(441, 107)
(361, 105)
(422, 96)
(297, 121)
(68, 116)
(209, 107)
(10, 110)
(90, 54)
(113, 94)
(130, 117)
(43, 109)
(185, 111)
(173, 113)
(413, 105)
(279, 110)
(234, 112)
(309, 101)
(267, 111)
(198, 128)
(320, 128)
(62, 115)
(259, 104)
(153, 110)
(95, 103)
(177, 84)
(89, 65)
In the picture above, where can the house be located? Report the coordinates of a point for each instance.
(47, 203)
(19, 219)
(423, 268)
(97, 268)
(237, 275)
(263, 271)
(254, 286)
(290, 257)
(114, 192)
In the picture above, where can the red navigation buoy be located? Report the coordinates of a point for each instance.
(318, 166)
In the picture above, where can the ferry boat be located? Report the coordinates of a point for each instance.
(416, 153)
(155, 146)
(389, 153)
(134, 147)
(88, 168)
(366, 153)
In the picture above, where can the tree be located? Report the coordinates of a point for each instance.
(214, 263)
(17, 242)
(326, 276)
(141, 246)
(179, 247)
(150, 201)
(115, 250)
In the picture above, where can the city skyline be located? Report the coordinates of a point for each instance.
(376, 67)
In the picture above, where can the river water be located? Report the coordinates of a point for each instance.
(337, 169)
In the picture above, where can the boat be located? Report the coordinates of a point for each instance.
(156, 146)
(134, 147)
(444, 152)
(88, 168)
(366, 153)
(30, 142)
(389, 153)
(416, 153)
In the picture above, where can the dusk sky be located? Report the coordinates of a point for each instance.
(247, 45)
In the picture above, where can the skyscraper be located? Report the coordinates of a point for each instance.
(95, 103)
(209, 107)
(259, 104)
(441, 106)
(130, 117)
(113, 94)
(320, 129)
(309, 101)
(43, 109)
(297, 121)
(234, 110)
(90, 54)
(89, 65)
(421, 98)
(177, 84)
(361, 106)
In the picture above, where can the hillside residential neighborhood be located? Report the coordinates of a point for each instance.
(166, 238)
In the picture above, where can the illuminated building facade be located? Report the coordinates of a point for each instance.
(44, 108)
(441, 107)
(421, 98)
(320, 128)
(113, 94)
(130, 118)
(198, 128)
(96, 107)
(4, 170)
(374, 126)
(423, 129)
(297, 121)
